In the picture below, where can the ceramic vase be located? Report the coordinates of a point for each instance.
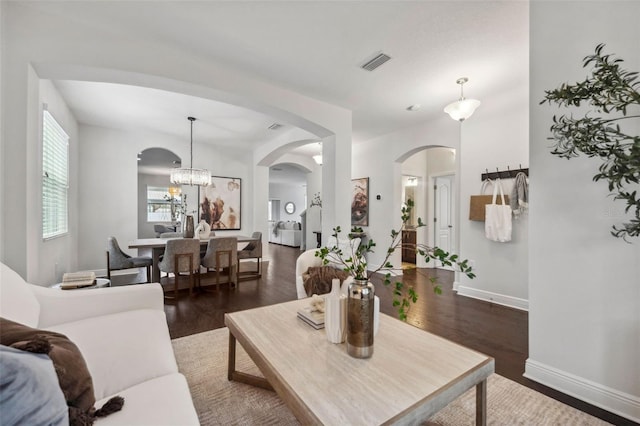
(189, 229)
(202, 230)
(335, 314)
(360, 318)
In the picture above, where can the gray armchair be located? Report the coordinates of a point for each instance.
(253, 250)
(172, 235)
(221, 254)
(159, 229)
(118, 260)
(181, 256)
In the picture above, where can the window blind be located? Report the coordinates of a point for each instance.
(55, 178)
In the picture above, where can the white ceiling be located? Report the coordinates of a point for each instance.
(314, 48)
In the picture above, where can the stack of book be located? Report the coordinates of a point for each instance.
(78, 280)
(314, 318)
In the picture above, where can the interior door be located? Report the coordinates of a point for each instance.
(444, 217)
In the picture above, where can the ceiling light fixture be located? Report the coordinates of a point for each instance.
(191, 176)
(174, 190)
(463, 108)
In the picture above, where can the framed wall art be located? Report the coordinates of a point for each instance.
(221, 202)
(360, 202)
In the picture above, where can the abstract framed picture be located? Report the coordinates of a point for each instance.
(221, 202)
(360, 202)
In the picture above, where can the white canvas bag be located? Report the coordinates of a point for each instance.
(497, 222)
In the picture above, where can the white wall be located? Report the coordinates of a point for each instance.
(108, 185)
(496, 136)
(285, 193)
(57, 255)
(584, 317)
(2, 143)
(381, 160)
(314, 214)
(62, 48)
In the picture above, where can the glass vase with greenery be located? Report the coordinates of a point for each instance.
(354, 262)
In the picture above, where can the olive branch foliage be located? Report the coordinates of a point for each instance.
(614, 94)
(355, 263)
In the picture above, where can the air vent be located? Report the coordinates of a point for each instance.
(276, 169)
(375, 62)
(275, 126)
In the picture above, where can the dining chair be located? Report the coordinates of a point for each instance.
(253, 250)
(118, 260)
(172, 235)
(181, 256)
(160, 229)
(221, 254)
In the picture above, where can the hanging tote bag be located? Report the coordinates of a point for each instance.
(497, 223)
(477, 203)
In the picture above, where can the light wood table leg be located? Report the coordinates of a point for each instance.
(481, 403)
(238, 376)
(232, 357)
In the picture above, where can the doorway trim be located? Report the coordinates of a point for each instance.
(453, 209)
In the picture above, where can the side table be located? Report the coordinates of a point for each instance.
(100, 282)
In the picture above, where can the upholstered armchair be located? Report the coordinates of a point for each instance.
(160, 229)
(171, 235)
(309, 259)
(117, 259)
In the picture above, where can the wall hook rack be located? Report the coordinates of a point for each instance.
(504, 174)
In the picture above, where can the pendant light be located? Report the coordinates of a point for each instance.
(463, 108)
(191, 176)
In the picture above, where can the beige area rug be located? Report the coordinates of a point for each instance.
(202, 358)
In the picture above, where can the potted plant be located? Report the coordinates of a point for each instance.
(355, 264)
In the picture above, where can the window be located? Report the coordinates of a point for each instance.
(161, 205)
(55, 178)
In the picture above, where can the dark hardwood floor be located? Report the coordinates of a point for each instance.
(495, 330)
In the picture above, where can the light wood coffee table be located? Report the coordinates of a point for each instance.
(411, 375)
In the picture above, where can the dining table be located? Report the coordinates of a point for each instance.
(154, 248)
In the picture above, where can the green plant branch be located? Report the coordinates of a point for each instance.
(355, 262)
(608, 89)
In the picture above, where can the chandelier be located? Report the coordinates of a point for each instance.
(463, 108)
(191, 176)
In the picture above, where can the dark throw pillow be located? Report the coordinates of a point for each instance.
(73, 375)
(317, 279)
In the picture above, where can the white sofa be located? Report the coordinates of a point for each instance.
(285, 233)
(123, 336)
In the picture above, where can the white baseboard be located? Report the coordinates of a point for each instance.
(500, 299)
(617, 402)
